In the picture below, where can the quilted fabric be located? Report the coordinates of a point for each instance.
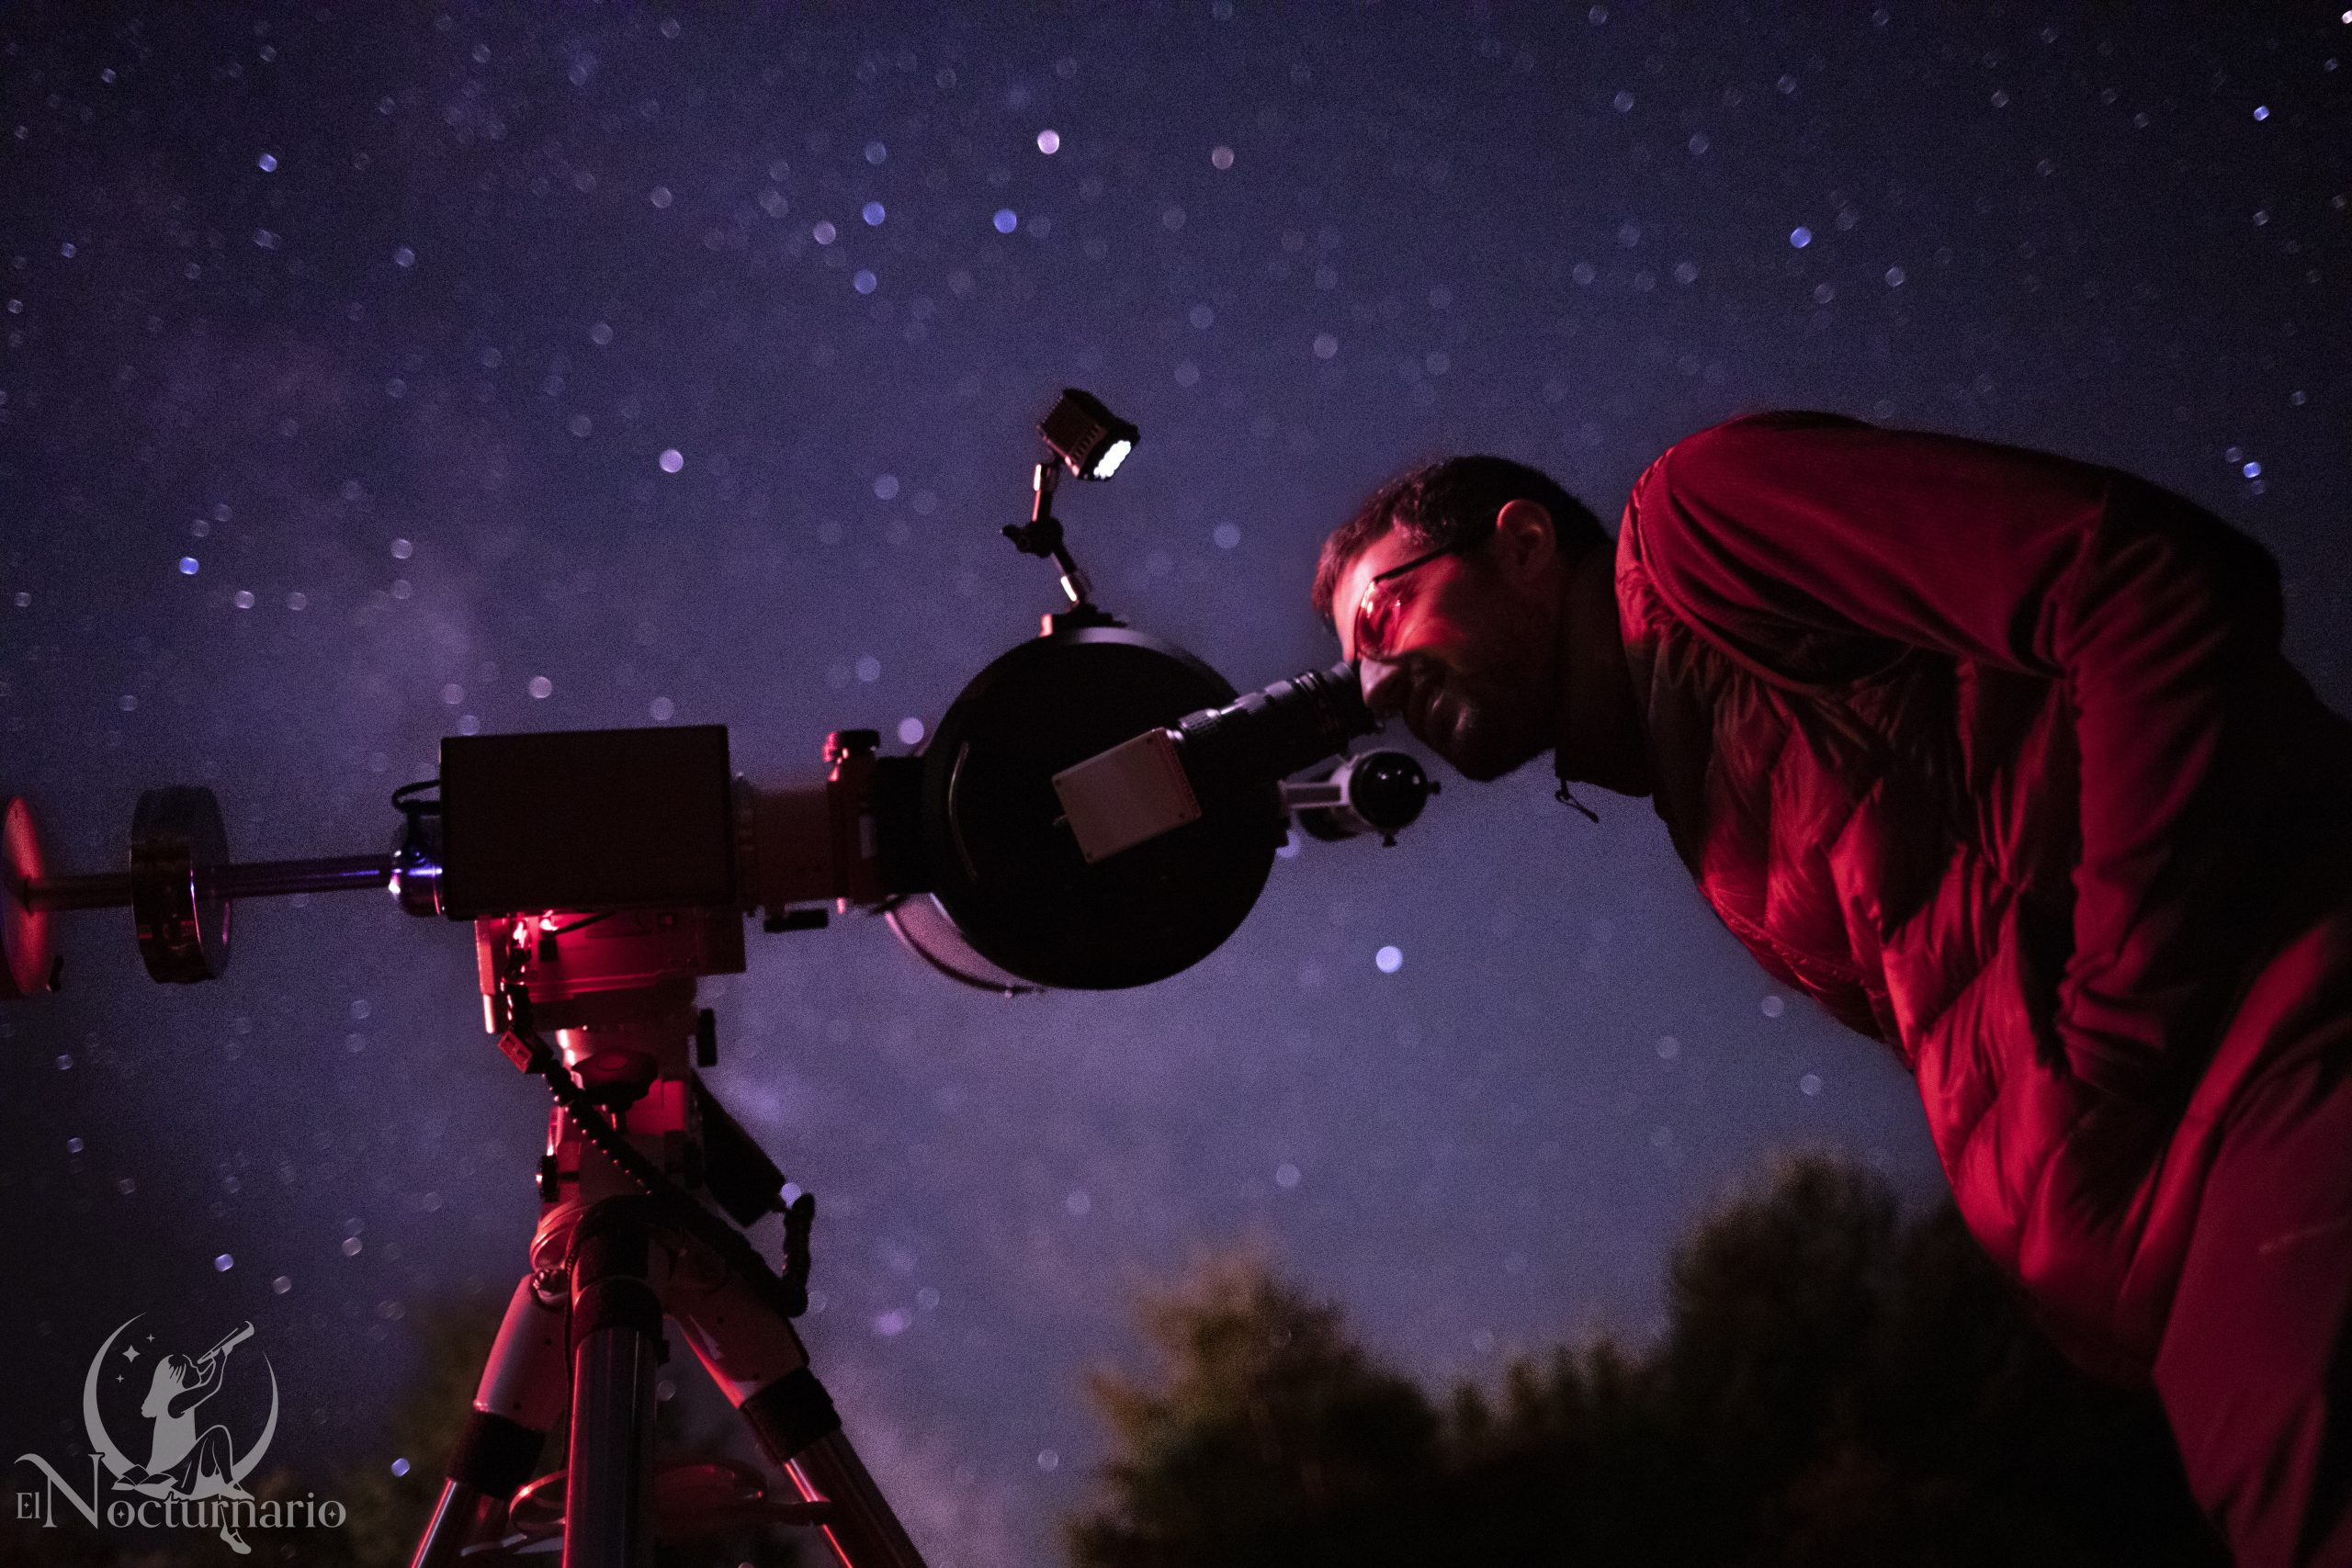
(1994, 755)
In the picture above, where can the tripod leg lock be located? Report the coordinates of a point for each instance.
(496, 1456)
(790, 1413)
(615, 1301)
(610, 1259)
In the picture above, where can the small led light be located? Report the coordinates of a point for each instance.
(1089, 438)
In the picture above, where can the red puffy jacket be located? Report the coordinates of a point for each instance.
(1996, 755)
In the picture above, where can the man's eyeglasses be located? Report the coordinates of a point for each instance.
(1383, 606)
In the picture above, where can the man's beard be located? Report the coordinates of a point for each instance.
(1485, 728)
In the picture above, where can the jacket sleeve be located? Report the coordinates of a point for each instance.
(1796, 531)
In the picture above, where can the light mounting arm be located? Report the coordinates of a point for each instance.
(1088, 440)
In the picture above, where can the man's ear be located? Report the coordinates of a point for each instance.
(1525, 543)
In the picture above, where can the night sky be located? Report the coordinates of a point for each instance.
(386, 373)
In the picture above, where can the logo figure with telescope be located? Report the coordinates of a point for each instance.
(184, 1464)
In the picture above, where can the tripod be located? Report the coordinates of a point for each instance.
(638, 1151)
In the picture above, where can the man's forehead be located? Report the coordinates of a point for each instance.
(1393, 548)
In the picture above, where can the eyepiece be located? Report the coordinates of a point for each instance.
(1269, 735)
(1211, 760)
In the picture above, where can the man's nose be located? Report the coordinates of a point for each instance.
(1383, 685)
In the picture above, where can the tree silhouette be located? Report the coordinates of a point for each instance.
(1275, 1441)
(1835, 1387)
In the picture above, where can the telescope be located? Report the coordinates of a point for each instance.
(1096, 809)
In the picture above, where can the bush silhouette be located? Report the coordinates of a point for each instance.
(1835, 1387)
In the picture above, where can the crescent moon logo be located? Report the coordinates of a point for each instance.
(269, 1428)
(116, 1461)
(99, 1442)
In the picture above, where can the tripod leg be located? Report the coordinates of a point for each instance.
(515, 1406)
(616, 1342)
(741, 1336)
(861, 1530)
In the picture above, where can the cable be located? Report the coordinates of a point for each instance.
(401, 801)
(524, 1047)
(528, 1051)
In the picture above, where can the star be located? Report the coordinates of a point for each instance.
(130, 1352)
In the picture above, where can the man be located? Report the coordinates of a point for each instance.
(1993, 754)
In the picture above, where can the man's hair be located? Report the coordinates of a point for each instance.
(1451, 503)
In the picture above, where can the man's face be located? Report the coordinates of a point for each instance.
(1470, 658)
